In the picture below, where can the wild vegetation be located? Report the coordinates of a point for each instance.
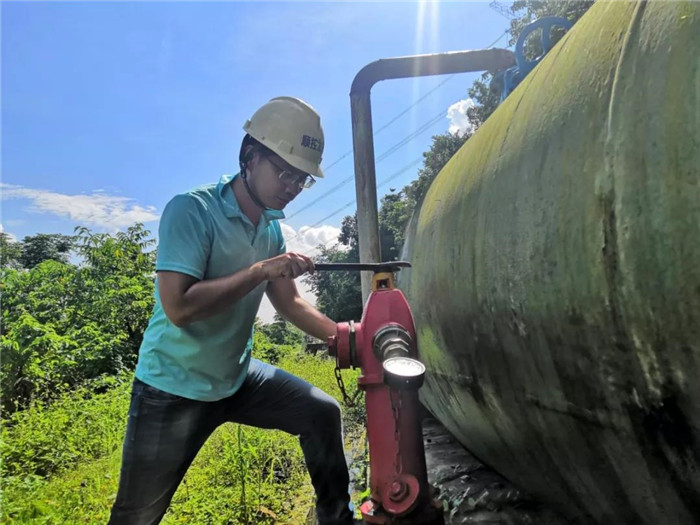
(70, 338)
(60, 462)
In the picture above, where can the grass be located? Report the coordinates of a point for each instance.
(61, 462)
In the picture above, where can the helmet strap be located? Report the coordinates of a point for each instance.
(251, 193)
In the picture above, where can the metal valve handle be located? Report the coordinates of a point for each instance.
(392, 266)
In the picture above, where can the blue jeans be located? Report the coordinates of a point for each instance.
(165, 432)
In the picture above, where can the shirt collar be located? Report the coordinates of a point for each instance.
(230, 203)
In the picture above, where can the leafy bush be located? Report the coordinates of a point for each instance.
(280, 332)
(65, 325)
(45, 440)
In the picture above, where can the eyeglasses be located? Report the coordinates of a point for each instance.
(300, 180)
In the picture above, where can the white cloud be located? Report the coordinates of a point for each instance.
(95, 209)
(306, 242)
(11, 237)
(457, 115)
(307, 239)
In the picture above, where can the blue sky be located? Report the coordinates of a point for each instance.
(109, 109)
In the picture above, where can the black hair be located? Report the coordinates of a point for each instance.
(244, 158)
(257, 147)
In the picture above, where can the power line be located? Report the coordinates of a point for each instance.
(502, 9)
(498, 39)
(421, 99)
(338, 210)
(383, 183)
(394, 119)
(381, 157)
(393, 148)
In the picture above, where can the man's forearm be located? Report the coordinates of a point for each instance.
(310, 320)
(209, 297)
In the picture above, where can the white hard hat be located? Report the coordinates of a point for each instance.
(292, 129)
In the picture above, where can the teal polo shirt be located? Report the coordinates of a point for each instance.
(203, 233)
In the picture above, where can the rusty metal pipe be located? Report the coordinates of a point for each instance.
(362, 134)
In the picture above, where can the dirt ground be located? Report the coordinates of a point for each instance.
(473, 493)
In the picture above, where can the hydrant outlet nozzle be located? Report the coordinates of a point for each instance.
(333, 346)
(392, 341)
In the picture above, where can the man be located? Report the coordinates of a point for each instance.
(220, 248)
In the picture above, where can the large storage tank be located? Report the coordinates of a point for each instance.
(556, 273)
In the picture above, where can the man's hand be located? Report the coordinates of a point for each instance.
(285, 266)
(186, 299)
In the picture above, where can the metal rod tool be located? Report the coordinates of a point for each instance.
(391, 266)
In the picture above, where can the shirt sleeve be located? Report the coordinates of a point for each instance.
(184, 237)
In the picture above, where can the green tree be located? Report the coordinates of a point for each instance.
(37, 350)
(273, 341)
(441, 150)
(280, 332)
(394, 213)
(65, 325)
(397, 207)
(119, 274)
(338, 293)
(486, 100)
(527, 11)
(350, 237)
(523, 12)
(10, 252)
(35, 249)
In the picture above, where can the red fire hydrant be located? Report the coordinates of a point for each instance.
(383, 346)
